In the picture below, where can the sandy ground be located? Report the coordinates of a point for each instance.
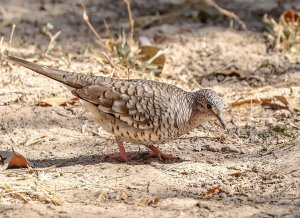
(255, 163)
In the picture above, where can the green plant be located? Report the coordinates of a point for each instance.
(47, 30)
(284, 34)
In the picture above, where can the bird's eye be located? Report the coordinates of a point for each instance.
(209, 107)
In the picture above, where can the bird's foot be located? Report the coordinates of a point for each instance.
(155, 152)
(122, 154)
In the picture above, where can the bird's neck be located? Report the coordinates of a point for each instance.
(198, 115)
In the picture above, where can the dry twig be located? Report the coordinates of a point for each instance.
(1, 53)
(1, 46)
(232, 15)
(11, 37)
(10, 191)
(87, 20)
(131, 20)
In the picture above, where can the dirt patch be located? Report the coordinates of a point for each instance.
(254, 164)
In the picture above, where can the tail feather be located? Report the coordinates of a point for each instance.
(65, 77)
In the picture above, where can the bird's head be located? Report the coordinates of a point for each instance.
(210, 105)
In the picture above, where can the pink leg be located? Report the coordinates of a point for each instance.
(122, 153)
(157, 153)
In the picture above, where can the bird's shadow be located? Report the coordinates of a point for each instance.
(138, 158)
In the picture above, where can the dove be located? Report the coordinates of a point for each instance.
(135, 110)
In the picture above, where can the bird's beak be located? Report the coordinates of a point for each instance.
(222, 121)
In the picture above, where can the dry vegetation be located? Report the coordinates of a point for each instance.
(250, 170)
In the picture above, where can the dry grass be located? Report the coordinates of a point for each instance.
(14, 190)
(284, 34)
(124, 52)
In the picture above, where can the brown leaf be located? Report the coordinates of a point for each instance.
(184, 173)
(289, 102)
(290, 16)
(57, 101)
(282, 99)
(212, 191)
(246, 102)
(56, 201)
(12, 159)
(237, 174)
(275, 102)
(148, 52)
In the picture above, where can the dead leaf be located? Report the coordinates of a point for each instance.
(246, 102)
(284, 34)
(150, 52)
(212, 191)
(144, 202)
(275, 102)
(184, 173)
(237, 174)
(290, 16)
(12, 159)
(282, 99)
(57, 101)
(289, 102)
(56, 201)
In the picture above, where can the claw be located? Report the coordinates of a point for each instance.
(119, 155)
(122, 154)
(157, 153)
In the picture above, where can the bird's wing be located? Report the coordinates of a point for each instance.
(139, 104)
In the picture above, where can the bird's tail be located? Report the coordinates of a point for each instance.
(74, 80)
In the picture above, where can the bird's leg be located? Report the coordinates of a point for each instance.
(122, 153)
(157, 153)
